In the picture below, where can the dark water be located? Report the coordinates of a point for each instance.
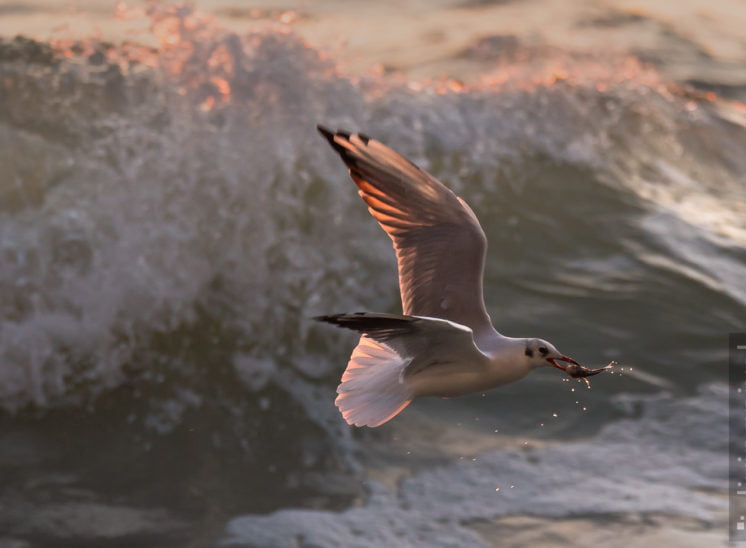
(169, 223)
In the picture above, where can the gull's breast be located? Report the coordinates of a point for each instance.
(456, 379)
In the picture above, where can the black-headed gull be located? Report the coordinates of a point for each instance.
(444, 343)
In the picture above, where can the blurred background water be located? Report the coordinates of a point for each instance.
(169, 222)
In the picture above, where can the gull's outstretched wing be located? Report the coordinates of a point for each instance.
(395, 352)
(420, 340)
(440, 246)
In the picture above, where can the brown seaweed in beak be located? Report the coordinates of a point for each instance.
(577, 371)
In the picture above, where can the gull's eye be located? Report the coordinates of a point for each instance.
(543, 350)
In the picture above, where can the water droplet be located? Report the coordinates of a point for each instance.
(512, 486)
(554, 415)
(497, 488)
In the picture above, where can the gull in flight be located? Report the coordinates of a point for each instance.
(443, 344)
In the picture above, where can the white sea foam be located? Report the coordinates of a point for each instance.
(670, 457)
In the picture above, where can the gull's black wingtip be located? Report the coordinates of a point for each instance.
(341, 320)
(326, 132)
(328, 318)
(330, 135)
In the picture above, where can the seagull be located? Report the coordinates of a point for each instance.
(444, 343)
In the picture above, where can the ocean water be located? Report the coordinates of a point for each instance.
(170, 221)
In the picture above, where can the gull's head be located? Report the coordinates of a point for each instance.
(539, 352)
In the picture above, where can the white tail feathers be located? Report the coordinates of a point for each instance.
(371, 391)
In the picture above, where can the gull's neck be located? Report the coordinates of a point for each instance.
(507, 362)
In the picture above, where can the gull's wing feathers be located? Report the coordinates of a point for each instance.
(394, 354)
(440, 246)
(420, 341)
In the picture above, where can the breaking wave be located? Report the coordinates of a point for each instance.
(148, 190)
(169, 222)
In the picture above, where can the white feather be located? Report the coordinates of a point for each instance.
(372, 391)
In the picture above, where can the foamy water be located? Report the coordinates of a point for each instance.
(169, 222)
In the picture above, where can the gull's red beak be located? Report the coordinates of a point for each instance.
(553, 361)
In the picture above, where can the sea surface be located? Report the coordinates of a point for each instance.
(170, 221)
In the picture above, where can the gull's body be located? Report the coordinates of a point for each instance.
(444, 343)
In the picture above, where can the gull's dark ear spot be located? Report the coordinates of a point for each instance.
(529, 352)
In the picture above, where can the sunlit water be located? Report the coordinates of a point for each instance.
(169, 222)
